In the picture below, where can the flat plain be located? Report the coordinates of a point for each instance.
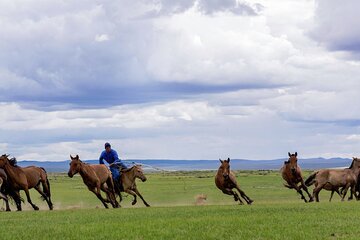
(179, 211)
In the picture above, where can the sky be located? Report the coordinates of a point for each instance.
(190, 79)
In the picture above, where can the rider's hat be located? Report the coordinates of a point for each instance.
(107, 145)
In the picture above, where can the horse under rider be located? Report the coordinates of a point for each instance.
(115, 164)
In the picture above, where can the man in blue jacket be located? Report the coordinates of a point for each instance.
(112, 158)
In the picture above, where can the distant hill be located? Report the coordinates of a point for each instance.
(189, 165)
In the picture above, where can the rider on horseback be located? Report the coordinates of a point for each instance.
(111, 157)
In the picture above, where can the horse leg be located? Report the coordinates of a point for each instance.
(138, 193)
(6, 200)
(131, 192)
(352, 192)
(7, 204)
(316, 191)
(110, 197)
(303, 186)
(112, 192)
(345, 191)
(96, 191)
(229, 191)
(331, 195)
(297, 188)
(105, 190)
(29, 199)
(16, 196)
(244, 196)
(351, 195)
(46, 189)
(44, 196)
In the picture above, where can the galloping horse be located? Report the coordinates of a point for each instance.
(335, 179)
(96, 177)
(128, 177)
(225, 180)
(24, 179)
(291, 173)
(3, 186)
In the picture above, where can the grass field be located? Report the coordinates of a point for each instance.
(277, 213)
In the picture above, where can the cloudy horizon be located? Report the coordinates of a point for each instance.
(192, 79)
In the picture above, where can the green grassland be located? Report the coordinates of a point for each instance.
(277, 212)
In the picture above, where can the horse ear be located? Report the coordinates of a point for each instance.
(77, 156)
(220, 160)
(295, 154)
(289, 154)
(71, 157)
(228, 160)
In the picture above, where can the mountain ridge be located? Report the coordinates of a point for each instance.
(191, 165)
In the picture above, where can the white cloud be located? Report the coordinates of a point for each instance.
(101, 37)
(337, 25)
(17, 118)
(213, 78)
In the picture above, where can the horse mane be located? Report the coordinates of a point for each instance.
(13, 162)
(127, 169)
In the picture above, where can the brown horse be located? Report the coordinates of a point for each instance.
(335, 179)
(24, 179)
(291, 173)
(3, 186)
(96, 177)
(225, 180)
(128, 177)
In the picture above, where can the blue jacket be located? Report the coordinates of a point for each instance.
(111, 157)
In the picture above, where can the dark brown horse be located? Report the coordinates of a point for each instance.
(335, 179)
(128, 177)
(96, 177)
(291, 173)
(225, 180)
(24, 179)
(3, 190)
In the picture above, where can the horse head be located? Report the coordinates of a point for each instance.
(139, 173)
(355, 163)
(75, 165)
(225, 168)
(292, 162)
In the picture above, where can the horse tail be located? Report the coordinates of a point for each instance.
(46, 190)
(311, 179)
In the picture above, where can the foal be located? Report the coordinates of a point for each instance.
(128, 177)
(225, 180)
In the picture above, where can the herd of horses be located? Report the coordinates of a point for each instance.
(98, 178)
(334, 180)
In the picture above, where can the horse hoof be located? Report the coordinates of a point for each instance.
(36, 208)
(133, 203)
